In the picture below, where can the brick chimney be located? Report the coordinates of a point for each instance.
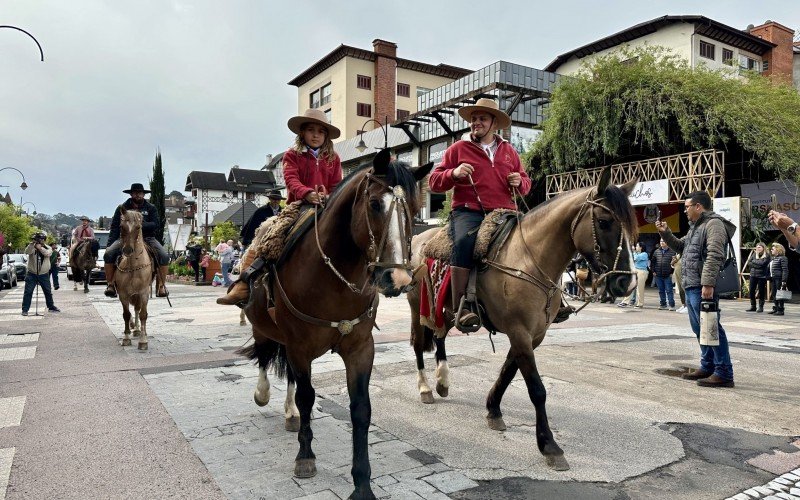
(779, 59)
(385, 80)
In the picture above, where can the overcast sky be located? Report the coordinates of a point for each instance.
(205, 81)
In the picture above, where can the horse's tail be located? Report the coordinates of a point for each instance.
(269, 354)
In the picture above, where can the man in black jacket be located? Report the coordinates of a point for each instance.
(661, 264)
(271, 209)
(149, 226)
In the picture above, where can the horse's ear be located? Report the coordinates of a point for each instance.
(627, 188)
(602, 184)
(421, 172)
(381, 161)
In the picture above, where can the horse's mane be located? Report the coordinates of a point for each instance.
(398, 174)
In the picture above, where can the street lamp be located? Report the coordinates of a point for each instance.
(361, 146)
(41, 52)
(24, 184)
(28, 203)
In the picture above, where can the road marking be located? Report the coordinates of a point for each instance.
(11, 411)
(15, 353)
(22, 338)
(760, 325)
(780, 487)
(6, 457)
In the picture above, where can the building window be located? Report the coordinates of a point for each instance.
(250, 196)
(727, 57)
(313, 101)
(328, 115)
(404, 90)
(747, 63)
(422, 90)
(364, 82)
(325, 97)
(707, 50)
(363, 109)
(402, 114)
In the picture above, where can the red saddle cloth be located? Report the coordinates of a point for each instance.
(439, 272)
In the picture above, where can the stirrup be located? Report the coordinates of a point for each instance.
(111, 291)
(563, 314)
(469, 328)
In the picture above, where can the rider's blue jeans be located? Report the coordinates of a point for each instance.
(713, 359)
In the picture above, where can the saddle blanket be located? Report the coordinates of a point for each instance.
(497, 221)
(434, 294)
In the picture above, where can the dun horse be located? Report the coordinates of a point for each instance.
(82, 262)
(520, 295)
(134, 276)
(326, 295)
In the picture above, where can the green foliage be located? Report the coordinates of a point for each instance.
(224, 232)
(180, 269)
(648, 101)
(157, 196)
(444, 213)
(16, 229)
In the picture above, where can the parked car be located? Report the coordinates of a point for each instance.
(64, 252)
(99, 272)
(20, 261)
(8, 275)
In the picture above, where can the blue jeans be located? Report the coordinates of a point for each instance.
(665, 292)
(226, 268)
(30, 284)
(713, 359)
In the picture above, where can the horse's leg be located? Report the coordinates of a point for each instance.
(242, 318)
(442, 369)
(421, 338)
(553, 454)
(262, 393)
(142, 316)
(75, 278)
(495, 417)
(358, 362)
(137, 329)
(291, 412)
(305, 464)
(86, 277)
(126, 317)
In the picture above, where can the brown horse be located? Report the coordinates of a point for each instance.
(82, 261)
(134, 276)
(326, 294)
(519, 292)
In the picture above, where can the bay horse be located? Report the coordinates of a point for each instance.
(134, 276)
(326, 295)
(82, 261)
(519, 290)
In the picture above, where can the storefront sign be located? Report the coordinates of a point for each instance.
(760, 195)
(406, 157)
(436, 152)
(648, 192)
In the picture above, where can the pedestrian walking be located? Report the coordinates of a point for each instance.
(661, 264)
(226, 252)
(38, 273)
(642, 265)
(55, 260)
(676, 276)
(703, 254)
(779, 273)
(759, 271)
(205, 259)
(193, 258)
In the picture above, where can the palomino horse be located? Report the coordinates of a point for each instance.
(134, 276)
(519, 292)
(326, 295)
(82, 262)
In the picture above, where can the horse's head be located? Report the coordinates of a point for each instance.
(603, 231)
(383, 212)
(130, 226)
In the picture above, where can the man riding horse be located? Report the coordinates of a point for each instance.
(81, 233)
(149, 225)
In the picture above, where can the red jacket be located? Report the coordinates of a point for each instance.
(303, 173)
(490, 178)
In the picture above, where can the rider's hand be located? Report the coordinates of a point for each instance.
(514, 179)
(463, 170)
(312, 197)
(661, 226)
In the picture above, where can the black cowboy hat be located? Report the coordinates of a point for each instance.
(275, 195)
(136, 187)
(83, 217)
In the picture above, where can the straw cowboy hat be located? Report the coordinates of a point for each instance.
(275, 195)
(501, 120)
(136, 187)
(313, 116)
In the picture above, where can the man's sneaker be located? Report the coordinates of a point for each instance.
(682, 309)
(55, 310)
(672, 308)
(24, 313)
(662, 308)
(622, 304)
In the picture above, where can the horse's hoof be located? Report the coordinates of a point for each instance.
(496, 423)
(364, 494)
(305, 467)
(86, 291)
(258, 401)
(142, 346)
(126, 342)
(556, 462)
(442, 390)
(292, 424)
(426, 398)
(243, 323)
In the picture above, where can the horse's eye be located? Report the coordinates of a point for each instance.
(605, 225)
(375, 205)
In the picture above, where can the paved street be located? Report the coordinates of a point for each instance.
(83, 417)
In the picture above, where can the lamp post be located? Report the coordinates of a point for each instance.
(361, 146)
(41, 52)
(243, 186)
(24, 184)
(28, 203)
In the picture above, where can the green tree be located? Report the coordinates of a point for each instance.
(650, 102)
(157, 196)
(224, 232)
(17, 229)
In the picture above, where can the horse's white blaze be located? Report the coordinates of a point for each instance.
(422, 382)
(289, 407)
(395, 223)
(262, 386)
(443, 373)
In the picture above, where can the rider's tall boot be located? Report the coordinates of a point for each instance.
(466, 321)
(161, 279)
(111, 290)
(239, 292)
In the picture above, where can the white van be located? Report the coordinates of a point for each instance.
(99, 272)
